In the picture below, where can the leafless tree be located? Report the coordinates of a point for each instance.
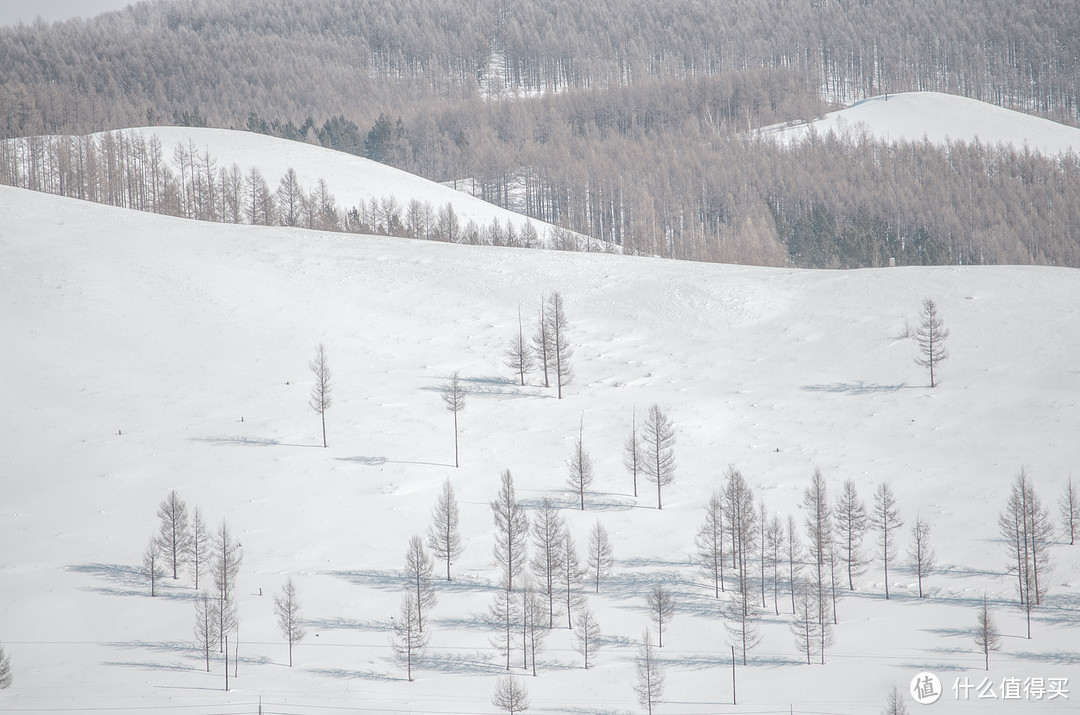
(290, 620)
(418, 568)
(819, 539)
(661, 608)
(6, 676)
(225, 567)
(885, 519)
(587, 634)
(453, 395)
(632, 451)
(600, 559)
(511, 531)
(930, 337)
(504, 613)
(443, 537)
(794, 556)
(658, 450)
(1028, 532)
(580, 466)
(804, 624)
(561, 349)
(535, 616)
(894, 704)
(206, 626)
(542, 342)
(320, 393)
(409, 642)
(851, 525)
(775, 536)
(153, 565)
(987, 635)
(549, 531)
(741, 616)
(200, 545)
(1070, 511)
(920, 554)
(710, 543)
(174, 536)
(649, 684)
(518, 355)
(740, 521)
(571, 574)
(510, 695)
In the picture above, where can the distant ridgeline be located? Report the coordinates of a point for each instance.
(617, 120)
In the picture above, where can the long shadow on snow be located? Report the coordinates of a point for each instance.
(127, 580)
(354, 674)
(348, 624)
(460, 663)
(379, 461)
(857, 388)
(396, 581)
(249, 442)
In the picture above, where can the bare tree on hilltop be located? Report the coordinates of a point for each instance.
(320, 393)
(511, 531)
(851, 525)
(561, 350)
(600, 558)
(418, 568)
(920, 554)
(885, 519)
(290, 620)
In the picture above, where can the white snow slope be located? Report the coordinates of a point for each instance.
(351, 179)
(938, 118)
(142, 353)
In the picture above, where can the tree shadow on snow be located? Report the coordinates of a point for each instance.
(379, 461)
(384, 580)
(249, 442)
(475, 662)
(489, 386)
(125, 580)
(348, 624)
(857, 388)
(354, 674)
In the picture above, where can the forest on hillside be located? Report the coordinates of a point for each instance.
(626, 121)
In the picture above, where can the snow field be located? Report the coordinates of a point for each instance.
(171, 331)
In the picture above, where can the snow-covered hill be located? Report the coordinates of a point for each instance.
(143, 353)
(352, 180)
(939, 117)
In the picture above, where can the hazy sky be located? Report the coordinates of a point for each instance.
(11, 11)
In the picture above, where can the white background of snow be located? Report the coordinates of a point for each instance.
(171, 331)
(938, 117)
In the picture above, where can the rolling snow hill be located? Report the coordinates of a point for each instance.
(938, 117)
(143, 353)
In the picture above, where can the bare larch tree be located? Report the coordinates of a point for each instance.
(409, 643)
(511, 531)
(153, 565)
(885, 519)
(561, 350)
(519, 355)
(510, 695)
(710, 543)
(290, 620)
(206, 626)
(174, 535)
(1070, 511)
(661, 606)
(200, 545)
(6, 677)
(819, 540)
(580, 466)
(543, 346)
(587, 634)
(930, 337)
(570, 577)
(601, 560)
(453, 395)
(225, 567)
(649, 683)
(920, 554)
(548, 530)
(417, 575)
(987, 636)
(632, 451)
(320, 391)
(443, 537)
(851, 525)
(658, 451)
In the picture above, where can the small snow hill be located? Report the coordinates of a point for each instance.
(938, 118)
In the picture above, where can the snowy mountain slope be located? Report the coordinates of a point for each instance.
(352, 180)
(938, 117)
(144, 353)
